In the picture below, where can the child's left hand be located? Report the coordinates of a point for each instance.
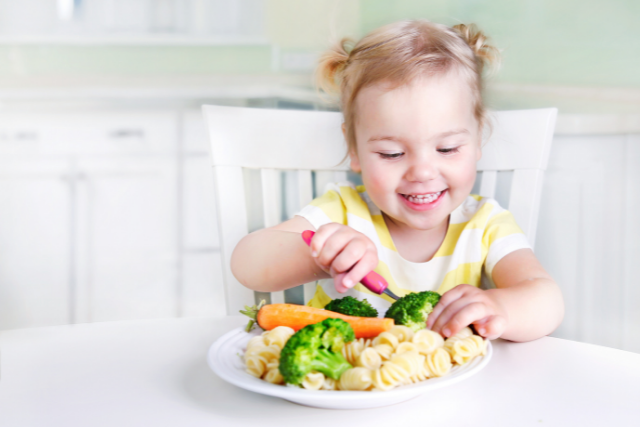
(465, 305)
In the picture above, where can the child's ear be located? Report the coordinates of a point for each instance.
(355, 162)
(353, 154)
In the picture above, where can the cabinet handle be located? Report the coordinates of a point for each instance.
(126, 133)
(19, 136)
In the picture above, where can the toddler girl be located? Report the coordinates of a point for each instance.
(413, 121)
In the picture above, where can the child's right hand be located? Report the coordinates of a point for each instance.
(346, 254)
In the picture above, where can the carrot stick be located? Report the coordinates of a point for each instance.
(298, 316)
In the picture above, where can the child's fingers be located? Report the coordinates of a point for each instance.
(331, 244)
(337, 281)
(460, 316)
(491, 327)
(349, 256)
(446, 299)
(320, 237)
(367, 263)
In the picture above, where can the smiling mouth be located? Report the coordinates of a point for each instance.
(422, 198)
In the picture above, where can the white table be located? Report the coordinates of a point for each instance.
(154, 373)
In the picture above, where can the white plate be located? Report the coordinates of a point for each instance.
(225, 358)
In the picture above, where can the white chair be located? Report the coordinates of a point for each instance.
(299, 142)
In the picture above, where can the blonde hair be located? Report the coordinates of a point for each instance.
(400, 52)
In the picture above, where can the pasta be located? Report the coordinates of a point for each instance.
(278, 336)
(427, 341)
(352, 350)
(356, 379)
(384, 350)
(467, 348)
(403, 347)
(437, 363)
(462, 333)
(329, 384)
(386, 338)
(396, 357)
(273, 374)
(369, 359)
(403, 333)
(313, 381)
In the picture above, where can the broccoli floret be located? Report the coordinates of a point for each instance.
(352, 307)
(413, 309)
(316, 347)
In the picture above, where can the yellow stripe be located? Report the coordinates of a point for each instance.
(501, 225)
(480, 218)
(469, 273)
(331, 204)
(320, 298)
(383, 232)
(354, 204)
(451, 239)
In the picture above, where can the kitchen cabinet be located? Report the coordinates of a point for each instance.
(126, 239)
(89, 216)
(36, 254)
(588, 236)
(201, 264)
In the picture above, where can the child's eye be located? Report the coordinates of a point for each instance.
(452, 150)
(390, 155)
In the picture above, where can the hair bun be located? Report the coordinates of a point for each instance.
(486, 55)
(331, 65)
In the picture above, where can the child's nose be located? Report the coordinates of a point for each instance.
(421, 171)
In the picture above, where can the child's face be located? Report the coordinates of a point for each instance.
(417, 148)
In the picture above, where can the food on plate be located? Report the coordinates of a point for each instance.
(316, 348)
(413, 309)
(297, 317)
(464, 346)
(352, 307)
(325, 356)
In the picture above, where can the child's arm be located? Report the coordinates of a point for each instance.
(526, 305)
(277, 258)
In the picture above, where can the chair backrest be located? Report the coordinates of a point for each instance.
(296, 152)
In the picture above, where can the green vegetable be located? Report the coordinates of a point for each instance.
(413, 309)
(316, 347)
(352, 307)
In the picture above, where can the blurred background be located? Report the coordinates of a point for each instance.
(106, 193)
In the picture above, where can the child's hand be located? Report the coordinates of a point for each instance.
(465, 305)
(346, 254)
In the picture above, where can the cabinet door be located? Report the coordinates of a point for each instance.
(203, 293)
(36, 251)
(127, 239)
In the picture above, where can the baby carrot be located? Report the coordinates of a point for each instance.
(298, 316)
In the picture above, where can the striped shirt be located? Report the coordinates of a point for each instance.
(480, 233)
